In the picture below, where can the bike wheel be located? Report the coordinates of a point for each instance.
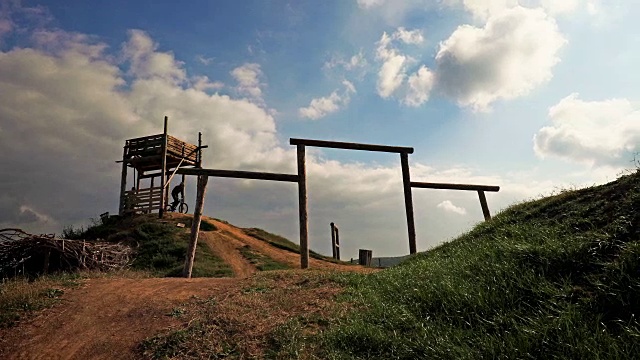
(183, 208)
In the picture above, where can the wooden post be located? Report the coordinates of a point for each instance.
(337, 244)
(199, 154)
(333, 240)
(163, 177)
(485, 207)
(302, 208)
(123, 182)
(364, 257)
(195, 226)
(408, 202)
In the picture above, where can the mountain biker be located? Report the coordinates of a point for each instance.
(175, 193)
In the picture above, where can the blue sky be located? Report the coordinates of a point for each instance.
(531, 95)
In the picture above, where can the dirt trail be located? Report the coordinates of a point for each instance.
(106, 318)
(280, 255)
(227, 249)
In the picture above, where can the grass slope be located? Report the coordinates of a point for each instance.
(283, 243)
(554, 278)
(160, 246)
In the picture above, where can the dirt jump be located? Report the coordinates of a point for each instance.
(108, 317)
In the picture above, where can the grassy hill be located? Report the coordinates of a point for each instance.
(557, 277)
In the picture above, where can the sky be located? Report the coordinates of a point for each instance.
(535, 96)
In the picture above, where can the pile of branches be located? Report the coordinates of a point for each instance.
(28, 254)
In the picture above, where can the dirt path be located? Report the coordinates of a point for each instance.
(280, 255)
(106, 318)
(227, 249)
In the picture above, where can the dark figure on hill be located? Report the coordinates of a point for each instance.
(177, 193)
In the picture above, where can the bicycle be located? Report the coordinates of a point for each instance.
(181, 207)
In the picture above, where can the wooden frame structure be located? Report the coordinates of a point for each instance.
(469, 187)
(406, 177)
(301, 179)
(151, 157)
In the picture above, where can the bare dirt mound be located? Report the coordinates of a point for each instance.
(227, 249)
(277, 254)
(106, 318)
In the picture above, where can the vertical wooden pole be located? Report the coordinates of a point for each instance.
(337, 243)
(123, 181)
(138, 179)
(485, 207)
(195, 226)
(302, 208)
(199, 154)
(163, 178)
(333, 240)
(408, 202)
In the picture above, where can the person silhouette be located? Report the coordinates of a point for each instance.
(176, 193)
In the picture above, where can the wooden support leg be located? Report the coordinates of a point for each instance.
(333, 241)
(123, 183)
(302, 208)
(485, 207)
(195, 226)
(408, 202)
(337, 244)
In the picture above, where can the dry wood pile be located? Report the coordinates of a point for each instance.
(23, 253)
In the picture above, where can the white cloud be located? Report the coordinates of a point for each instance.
(600, 133)
(420, 85)
(510, 56)
(146, 62)
(409, 36)
(355, 62)
(366, 4)
(204, 60)
(555, 7)
(67, 107)
(248, 78)
(202, 83)
(448, 206)
(392, 72)
(321, 107)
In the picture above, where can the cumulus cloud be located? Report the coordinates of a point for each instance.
(392, 72)
(599, 133)
(420, 85)
(448, 206)
(511, 55)
(202, 83)
(323, 106)
(67, 107)
(248, 78)
(146, 62)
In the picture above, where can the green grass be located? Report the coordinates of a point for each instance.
(556, 278)
(20, 297)
(260, 261)
(284, 243)
(160, 246)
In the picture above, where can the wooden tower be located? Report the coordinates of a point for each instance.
(151, 157)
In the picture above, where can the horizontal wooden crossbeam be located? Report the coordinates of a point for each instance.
(351, 146)
(239, 174)
(444, 186)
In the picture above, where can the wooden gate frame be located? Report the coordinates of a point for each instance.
(301, 179)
